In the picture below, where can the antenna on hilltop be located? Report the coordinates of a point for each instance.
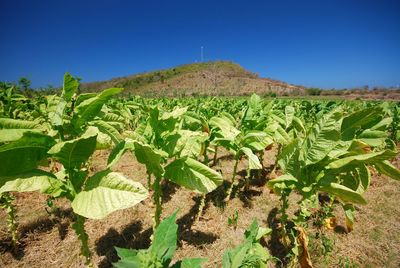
(202, 53)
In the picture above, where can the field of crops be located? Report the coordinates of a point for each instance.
(94, 179)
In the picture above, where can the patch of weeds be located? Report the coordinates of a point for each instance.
(375, 234)
(233, 220)
(345, 262)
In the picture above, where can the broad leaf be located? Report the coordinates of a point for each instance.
(75, 152)
(9, 123)
(226, 127)
(106, 192)
(108, 129)
(369, 158)
(35, 180)
(165, 236)
(88, 109)
(193, 175)
(8, 135)
(344, 193)
(385, 167)
(23, 154)
(149, 157)
(322, 138)
(254, 162)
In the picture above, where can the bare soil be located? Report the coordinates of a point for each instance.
(49, 241)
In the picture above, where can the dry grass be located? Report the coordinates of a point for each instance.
(50, 242)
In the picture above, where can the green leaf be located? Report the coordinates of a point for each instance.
(9, 123)
(385, 167)
(24, 154)
(369, 158)
(289, 158)
(323, 137)
(165, 236)
(89, 109)
(193, 175)
(356, 120)
(106, 192)
(254, 162)
(69, 87)
(289, 115)
(374, 138)
(190, 263)
(285, 181)
(35, 180)
(118, 151)
(8, 135)
(128, 258)
(226, 127)
(344, 193)
(256, 140)
(108, 129)
(190, 143)
(75, 152)
(149, 157)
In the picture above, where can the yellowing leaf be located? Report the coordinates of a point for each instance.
(330, 223)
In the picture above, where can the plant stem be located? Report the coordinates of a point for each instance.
(201, 206)
(215, 156)
(205, 155)
(6, 203)
(148, 180)
(247, 179)
(284, 217)
(157, 202)
(229, 192)
(79, 228)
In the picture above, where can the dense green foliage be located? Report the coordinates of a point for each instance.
(324, 148)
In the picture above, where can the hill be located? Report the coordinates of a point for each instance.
(208, 78)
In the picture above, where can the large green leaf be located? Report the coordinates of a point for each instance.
(373, 138)
(323, 137)
(369, 158)
(385, 167)
(256, 140)
(344, 193)
(8, 135)
(289, 115)
(289, 158)
(108, 129)
(75, 152)
(193, 175)
(159, 254)
(23, 154)
(226, 127)
(149, 157)
(106, 192)
(89, 109)
(276, 131)
(254, 162)
(9, 123)
(190, 143)
(354, 121)
(35, 180)
(165, 236)
(118, 151)
(70, 85)
(128, 258)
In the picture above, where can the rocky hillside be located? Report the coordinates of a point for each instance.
(209, 78)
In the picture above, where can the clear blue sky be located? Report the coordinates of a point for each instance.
(324, 43)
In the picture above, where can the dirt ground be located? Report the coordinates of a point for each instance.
(48, 241)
